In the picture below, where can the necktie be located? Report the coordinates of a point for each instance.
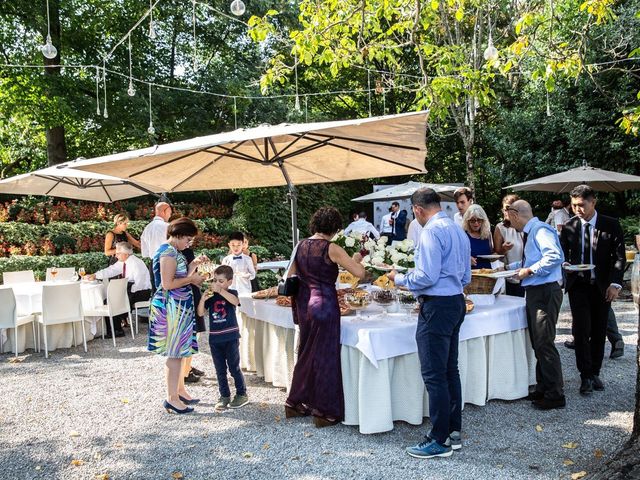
(525, 235)
(237, 257)
(586, 248)
(124, 270)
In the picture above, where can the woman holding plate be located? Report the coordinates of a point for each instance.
(508, 241)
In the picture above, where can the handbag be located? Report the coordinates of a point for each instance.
(288, 286)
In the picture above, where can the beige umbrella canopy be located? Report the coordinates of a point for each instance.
(59, 181)
(598, 179)
(284, 154)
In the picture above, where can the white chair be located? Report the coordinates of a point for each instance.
(9, 317)
(65, 273)
(61, 304)
(25, 276)
(137, 305)
(117, 304)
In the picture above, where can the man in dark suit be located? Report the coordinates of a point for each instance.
(399, 219)
(591, 238)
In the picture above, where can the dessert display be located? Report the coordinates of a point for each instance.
(384, 282)
(267, 293)
(482, 271)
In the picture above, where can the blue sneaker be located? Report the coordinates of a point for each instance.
(429, 449)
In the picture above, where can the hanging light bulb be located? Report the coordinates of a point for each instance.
(152, 30)
(48, 50)
(131, 91)
(297, 104)
(491, 52)
(151, 130)
(237, 7)
(105, 114)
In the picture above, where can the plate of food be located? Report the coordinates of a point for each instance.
(383, 267)
(583, 267)
(491, 258)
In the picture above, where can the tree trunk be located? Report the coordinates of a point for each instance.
(56, 143)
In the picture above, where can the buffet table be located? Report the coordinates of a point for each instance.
(29, 300)
(380, 366)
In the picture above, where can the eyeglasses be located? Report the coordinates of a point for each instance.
(476, 220)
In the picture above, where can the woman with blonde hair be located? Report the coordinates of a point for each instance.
(117, 235)
(476, 223)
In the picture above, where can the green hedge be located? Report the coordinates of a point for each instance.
(96, 261)
(631, 228)
(90, 261)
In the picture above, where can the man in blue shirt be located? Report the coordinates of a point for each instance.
(540, 273)
(442, 270)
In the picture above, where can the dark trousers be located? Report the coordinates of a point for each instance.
(612, 328)
(542, 306)
(515, 289)
(227, 355)
(590, 312)
(437, 337)
(139, 296)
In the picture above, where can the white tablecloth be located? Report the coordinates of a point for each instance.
(282, 264)
(29, 300)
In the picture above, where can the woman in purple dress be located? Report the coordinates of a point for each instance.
(316, 388)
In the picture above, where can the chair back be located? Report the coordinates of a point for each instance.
(117, 298)
(8, 314)
(61, 304)
(25, 276)
(65, 273)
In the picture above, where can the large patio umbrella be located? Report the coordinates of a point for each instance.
(596, 178)
(59, 181)
(405, 190)
(287, 154)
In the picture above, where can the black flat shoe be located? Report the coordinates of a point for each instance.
(550, 403)
(171, 409)
(191, 378)
(196, 372)
(570, 344)
(586, 386)
(535, 395)
(598, 384)
(618, 350)
(193, 401)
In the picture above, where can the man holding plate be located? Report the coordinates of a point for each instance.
(593, 245)
(441, 272)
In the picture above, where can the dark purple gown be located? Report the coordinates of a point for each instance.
(316, 387)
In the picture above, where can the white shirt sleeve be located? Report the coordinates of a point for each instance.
(111, 271)
(138, 273)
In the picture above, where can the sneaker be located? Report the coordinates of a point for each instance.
(222, 403)
(239, 401)
(429, 449)
(455, 440)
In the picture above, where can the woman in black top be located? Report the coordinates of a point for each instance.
(118, 234)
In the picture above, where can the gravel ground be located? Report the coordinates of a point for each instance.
(102, 409)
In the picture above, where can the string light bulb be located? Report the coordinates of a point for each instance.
(152, 30)
(131, 91)
(491, 52)
(48, 50)
(237, 7)
(150, 130)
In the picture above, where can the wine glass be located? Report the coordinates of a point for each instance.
(407, 302)
(384, 298)
(82, 272)
(358, 301)
(54, 272)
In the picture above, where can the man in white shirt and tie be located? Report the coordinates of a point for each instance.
(386, 226)
(138, 280)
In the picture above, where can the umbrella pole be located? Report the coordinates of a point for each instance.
(293, 199)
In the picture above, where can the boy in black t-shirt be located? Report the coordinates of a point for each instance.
(220, 303)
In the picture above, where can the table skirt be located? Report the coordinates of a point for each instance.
(268, 350)
(495, 367)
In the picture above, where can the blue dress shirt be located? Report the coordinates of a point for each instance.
(542, 254)
(442, 258)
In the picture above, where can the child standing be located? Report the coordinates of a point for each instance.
(241, 264)
(224, 336)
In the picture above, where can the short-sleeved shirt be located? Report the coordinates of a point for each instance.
(223, 323)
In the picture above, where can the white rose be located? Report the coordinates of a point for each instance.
(410, 258)
(349, 242)
(382, 241)
(370, 245)
(409, 242)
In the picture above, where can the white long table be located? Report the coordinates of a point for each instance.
(29, 300)
(380, 366)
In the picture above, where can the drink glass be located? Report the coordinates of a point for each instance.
(358, 301)
(54, 272)
(82, 272)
